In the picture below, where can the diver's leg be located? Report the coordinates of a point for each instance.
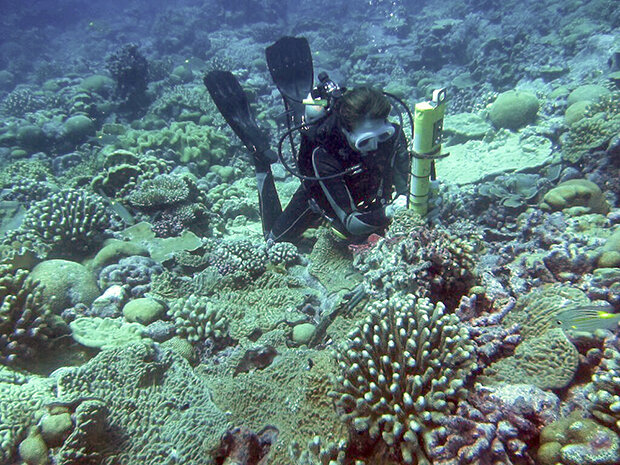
(296, 218)
(268, 199)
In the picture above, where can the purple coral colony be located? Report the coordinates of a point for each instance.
(145, 320)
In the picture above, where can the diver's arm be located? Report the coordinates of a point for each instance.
(339, 197)
(400, 166)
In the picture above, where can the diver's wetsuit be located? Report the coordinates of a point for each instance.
(355, 203)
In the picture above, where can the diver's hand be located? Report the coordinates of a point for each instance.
(399, 203)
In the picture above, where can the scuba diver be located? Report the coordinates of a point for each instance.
(352, 161)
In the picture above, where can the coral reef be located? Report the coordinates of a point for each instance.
(494, 425)
(70, 222)
(142, 403)
(578, 441)
(401, 372)
(429, 262)
(27, 326)
(604, 390)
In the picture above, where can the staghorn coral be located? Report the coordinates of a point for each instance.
(26, 323)
(401, 372)
(23, 100)
(69, 221)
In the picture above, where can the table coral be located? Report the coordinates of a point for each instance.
(401, 372)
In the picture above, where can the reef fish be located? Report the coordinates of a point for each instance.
(588, 318)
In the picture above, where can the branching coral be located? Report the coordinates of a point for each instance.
(605, 387)
(401, 372)
(494, 426)
(430, 262)
(69, 221)
(25, 321)
(197, 319)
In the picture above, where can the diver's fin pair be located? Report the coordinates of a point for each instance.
(232, 102)
(290, 64)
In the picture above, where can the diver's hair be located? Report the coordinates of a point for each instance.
(360, 103)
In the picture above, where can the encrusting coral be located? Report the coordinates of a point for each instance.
(578, 441)
(401, 372)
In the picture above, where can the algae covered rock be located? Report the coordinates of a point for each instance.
(514, 110)
(143, 310)
(577, 196)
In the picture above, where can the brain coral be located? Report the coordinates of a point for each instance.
(401, 372)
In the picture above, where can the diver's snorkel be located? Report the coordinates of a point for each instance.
(428, 129)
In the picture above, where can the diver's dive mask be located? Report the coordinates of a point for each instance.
(367, 134)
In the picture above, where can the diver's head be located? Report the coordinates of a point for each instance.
(363, 114)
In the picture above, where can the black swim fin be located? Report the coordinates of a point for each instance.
(233, 104)
(290, 63)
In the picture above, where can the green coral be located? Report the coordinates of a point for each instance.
(576, 196)
(135, 405)
(69, 221)
(402, 371)
(202, 145)
(514, 110)
(26, 323)
(600, 123)
(20, 402)
(578, 441)
(198, 319)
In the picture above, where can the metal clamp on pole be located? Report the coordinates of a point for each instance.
(428, 130)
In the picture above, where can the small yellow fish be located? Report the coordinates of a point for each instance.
(588, 318)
